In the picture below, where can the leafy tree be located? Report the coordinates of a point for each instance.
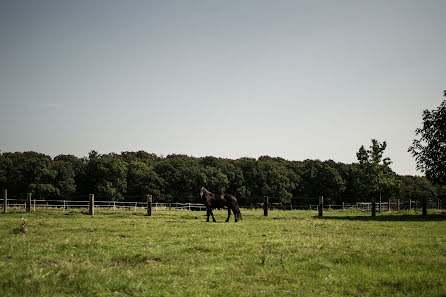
(375, 175)
(5, 163)
(274, 180)
(415, 188)
(230, 171)
(215, 180)
(142, 179)
(183, 178)
(82, 182)
(250, 173)
(321, 179)
(107, 175)
(140, 156)
(430, 149)
(64, 179)
(30, 172)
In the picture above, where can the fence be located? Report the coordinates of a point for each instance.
(115, 205)
(112, 205)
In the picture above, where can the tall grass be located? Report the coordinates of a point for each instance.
(176, 253)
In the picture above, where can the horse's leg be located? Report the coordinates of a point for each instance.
(207, 213)
(234, 210)
(212, 214)
(229, 214)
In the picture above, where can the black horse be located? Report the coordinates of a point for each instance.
(220, 201)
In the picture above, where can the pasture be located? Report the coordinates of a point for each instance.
(176, 253)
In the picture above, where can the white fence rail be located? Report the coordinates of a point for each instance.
(70, 204)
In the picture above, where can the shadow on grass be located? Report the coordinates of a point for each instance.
(396, 217)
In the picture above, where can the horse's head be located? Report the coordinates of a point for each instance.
(203, 192)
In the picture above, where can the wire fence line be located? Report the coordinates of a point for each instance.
(114, 205)
(138, 205)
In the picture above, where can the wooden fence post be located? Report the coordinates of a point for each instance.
(5, 200)
(388, 206)
(149, 205)
(28, 202)
(343, 206)
(410, 204)
(373, 207)
(321, 206)
(424, 205)
(91, 205)
(265, 206)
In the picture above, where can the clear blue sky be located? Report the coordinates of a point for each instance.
(293, 79)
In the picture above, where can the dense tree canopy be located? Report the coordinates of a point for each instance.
(130, 176)
(429, 149)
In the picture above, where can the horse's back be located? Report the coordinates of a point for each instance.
(230, 198)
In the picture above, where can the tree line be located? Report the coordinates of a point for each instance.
(130, 176)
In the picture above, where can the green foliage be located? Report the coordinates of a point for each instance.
(416, 187)
(109, 176)
(130, 176)
(375, 175)
(321, 179)
(273, 179)
(142, 180)
(29, 172)
(429, 149)
(64, 180)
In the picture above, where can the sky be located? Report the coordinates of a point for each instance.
(291, 79)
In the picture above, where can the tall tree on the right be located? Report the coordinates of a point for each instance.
(429, 149)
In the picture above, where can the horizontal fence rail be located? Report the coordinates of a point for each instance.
(67, 204)
(129, 205)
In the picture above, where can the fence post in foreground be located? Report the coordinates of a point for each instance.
(424, 205)
(265, 206)
(321, 206)
(28, 202)
(373, 207)
(91, 205)
(343, 207)
(388, 206)
(398, 205)
(410, 204)
(5, 200)
(149, 205)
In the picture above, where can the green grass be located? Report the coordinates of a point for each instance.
(176, 253)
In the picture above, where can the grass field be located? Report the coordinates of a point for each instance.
(176, 253)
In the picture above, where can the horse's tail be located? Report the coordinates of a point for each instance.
(237, 213)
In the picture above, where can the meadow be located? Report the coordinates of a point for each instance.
(176, 253)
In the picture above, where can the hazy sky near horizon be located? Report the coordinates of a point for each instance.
(291, 79)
